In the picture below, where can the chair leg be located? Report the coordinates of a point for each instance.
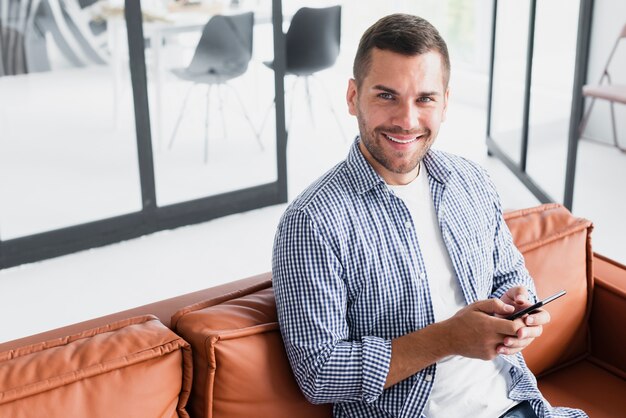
(180, 116)
(332, 109)
(273, 104)
(219, 95)
(247, 116)
(266, 115)
(585, 119)
(293, 94)
(309, 99)
(206, 125)
(615, 128)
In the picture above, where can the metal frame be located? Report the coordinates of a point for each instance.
(580, 72)
(578, 103)
(153, 218)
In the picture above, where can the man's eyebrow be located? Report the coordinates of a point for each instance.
(385, 89)
(392, 91)
(429, 93)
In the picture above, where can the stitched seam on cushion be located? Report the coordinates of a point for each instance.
(244, 332)
(218, 300)
(209, 389)
(59, 342)
(580, 225)
(64, 379)
(537, 209)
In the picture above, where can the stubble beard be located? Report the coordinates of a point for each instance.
(371, 140)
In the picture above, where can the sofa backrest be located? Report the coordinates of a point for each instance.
(557, 251)
(241, 368)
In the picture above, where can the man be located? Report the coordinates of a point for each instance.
(395, 271)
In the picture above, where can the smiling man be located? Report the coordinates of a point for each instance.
(395, 271)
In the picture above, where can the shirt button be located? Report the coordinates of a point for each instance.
(428, 377)
(423, 276)
(408, 224)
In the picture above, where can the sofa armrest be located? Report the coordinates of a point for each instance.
(608, 313)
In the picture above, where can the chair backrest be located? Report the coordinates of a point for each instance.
(605, 72)
(225, 46)
(312, 41)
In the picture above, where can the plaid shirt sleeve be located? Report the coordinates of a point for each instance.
(311, 299)
(509, 266)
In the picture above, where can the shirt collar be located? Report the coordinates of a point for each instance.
(365, 178)
(437, 166)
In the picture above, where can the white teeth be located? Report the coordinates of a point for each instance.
(400, 141)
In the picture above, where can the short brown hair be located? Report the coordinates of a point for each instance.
(404, 34)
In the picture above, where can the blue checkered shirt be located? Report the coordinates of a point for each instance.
(349, 277)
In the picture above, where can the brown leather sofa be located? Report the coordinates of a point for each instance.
(218, 352)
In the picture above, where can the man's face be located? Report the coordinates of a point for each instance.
(399, 106)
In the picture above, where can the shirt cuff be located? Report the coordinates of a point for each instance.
(376, 360)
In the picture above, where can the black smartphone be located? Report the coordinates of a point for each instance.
(537, 305)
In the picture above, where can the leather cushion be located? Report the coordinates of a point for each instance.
(240, 365)
(588, 387)
(557, 251)
(130, 368)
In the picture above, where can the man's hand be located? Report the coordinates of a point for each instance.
(479, 329)
(533, 324)
(473, 331)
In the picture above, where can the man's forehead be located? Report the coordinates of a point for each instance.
(387, 53)
(388, 69)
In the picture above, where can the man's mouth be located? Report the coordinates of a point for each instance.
(402, 139)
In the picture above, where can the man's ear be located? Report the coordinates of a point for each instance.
(445, 104)
(352, 96)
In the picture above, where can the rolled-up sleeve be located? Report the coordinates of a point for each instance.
(311, 299)
(509, 267)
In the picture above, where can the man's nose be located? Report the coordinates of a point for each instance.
(406, 116)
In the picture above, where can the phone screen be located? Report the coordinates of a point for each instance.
(537, 305)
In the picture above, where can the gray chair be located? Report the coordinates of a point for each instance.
(223, 53)
(312, 45)
(613, 93)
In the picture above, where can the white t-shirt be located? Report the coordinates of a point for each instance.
(463, 387)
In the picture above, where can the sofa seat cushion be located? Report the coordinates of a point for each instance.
(240, 365)
(588, 387)
(131, 368)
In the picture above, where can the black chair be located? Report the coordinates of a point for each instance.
(223, 53)
(312, 41)
(311, 45)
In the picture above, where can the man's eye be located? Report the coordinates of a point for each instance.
(386, 96)
(425, 99)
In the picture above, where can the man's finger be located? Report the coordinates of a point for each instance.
(541, 317)
(518, 294)
(514, 346)
(494, 306)
(529, 332)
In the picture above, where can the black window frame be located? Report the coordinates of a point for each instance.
(152, 218)
(580, 75)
